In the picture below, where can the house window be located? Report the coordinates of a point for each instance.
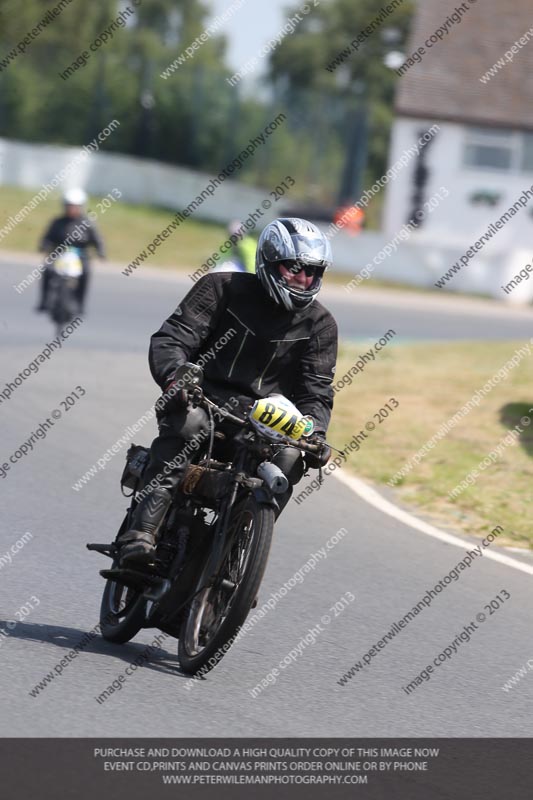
(527, 156)
(502, 150)
(488, 149)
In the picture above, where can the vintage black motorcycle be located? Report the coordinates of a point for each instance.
(214, 542)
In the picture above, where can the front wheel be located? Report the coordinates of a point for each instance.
(218, 611)
(122, 611)
(64, 305)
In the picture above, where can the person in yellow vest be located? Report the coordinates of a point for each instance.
(240, 257)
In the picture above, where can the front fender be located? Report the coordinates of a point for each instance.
(264, 497)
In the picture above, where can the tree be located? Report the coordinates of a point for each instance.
(53, 93)
(308, 60)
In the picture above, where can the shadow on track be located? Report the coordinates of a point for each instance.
(67, 639)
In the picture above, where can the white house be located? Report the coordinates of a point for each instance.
(468, 68)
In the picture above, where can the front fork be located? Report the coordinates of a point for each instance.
(222, 543)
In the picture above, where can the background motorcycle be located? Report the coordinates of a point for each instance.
(214, 542)
(65, 273)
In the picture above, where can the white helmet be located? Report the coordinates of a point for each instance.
(74, 197)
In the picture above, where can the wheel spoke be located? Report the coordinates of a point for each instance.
(208, 612)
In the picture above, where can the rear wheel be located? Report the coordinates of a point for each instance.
(217, 612)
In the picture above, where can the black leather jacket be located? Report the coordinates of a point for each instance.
(78, 232)
(249, 346)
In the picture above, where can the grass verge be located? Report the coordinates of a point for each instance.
(125, 228)
(432, 382)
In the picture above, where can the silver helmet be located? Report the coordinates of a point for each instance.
(294, 243)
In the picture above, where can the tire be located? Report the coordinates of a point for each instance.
(123, 626)
(63, 309)
(257, 550)
(122, 610)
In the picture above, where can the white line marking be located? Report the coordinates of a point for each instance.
(375, 499)
(521, 550)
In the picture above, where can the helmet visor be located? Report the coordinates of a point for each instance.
(307, 247)
(311, 250)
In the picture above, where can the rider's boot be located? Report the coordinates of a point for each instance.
(137, 545)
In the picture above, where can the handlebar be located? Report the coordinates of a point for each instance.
(301, 444)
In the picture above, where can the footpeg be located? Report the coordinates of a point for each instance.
(131, 578)
(105, 549)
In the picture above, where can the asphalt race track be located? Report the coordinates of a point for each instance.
(384, 563)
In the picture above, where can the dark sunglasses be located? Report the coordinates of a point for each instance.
(296, 267)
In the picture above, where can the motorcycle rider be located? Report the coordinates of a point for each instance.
(75, 230)
(283, 341)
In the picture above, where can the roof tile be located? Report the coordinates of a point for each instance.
(446, 85)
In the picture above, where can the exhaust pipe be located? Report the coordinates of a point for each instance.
(274, 478)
